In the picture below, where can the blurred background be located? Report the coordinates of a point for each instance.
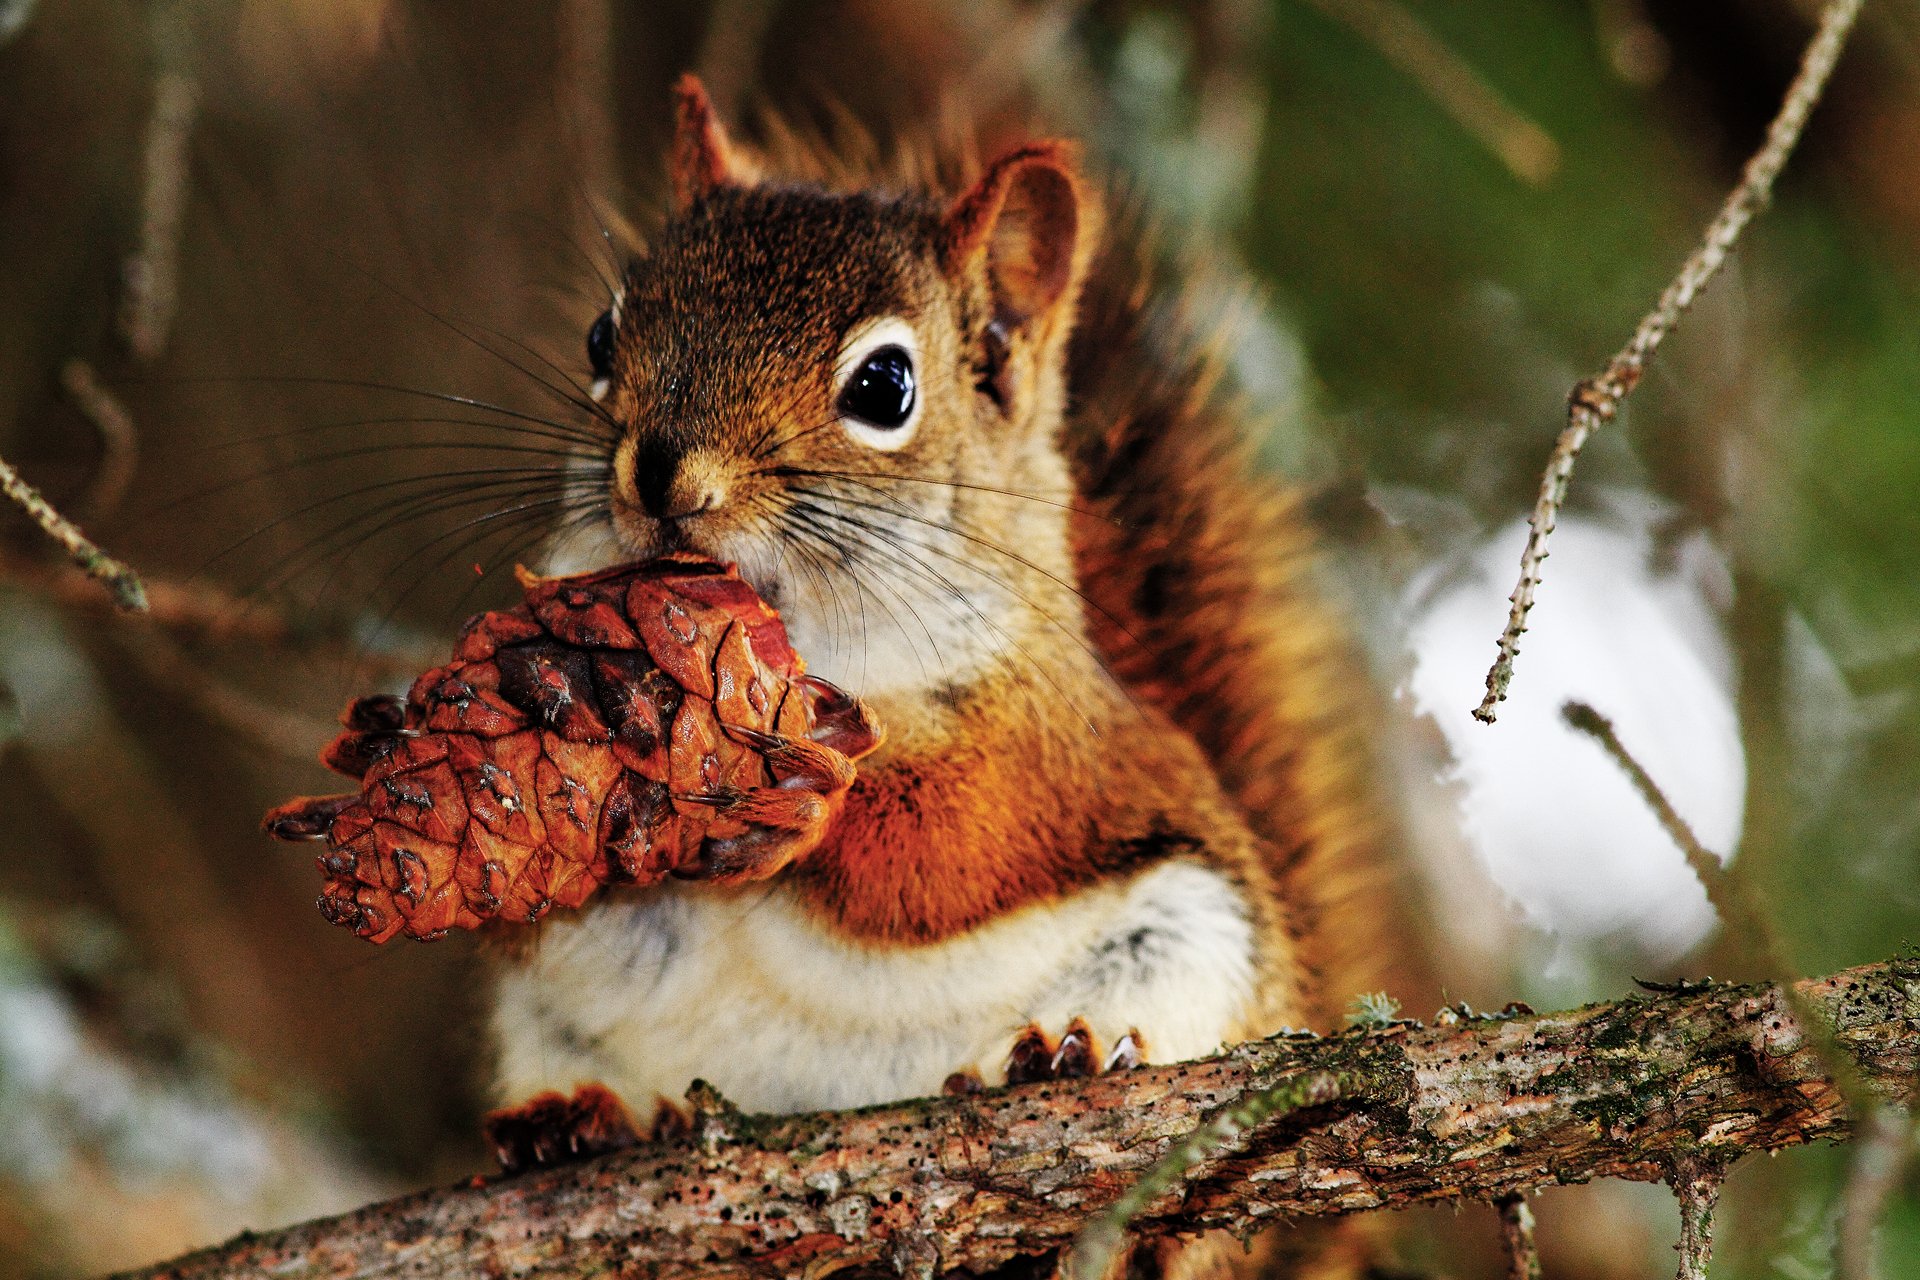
(238, 236)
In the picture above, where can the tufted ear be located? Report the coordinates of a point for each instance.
(1027, 218)
(703, 159)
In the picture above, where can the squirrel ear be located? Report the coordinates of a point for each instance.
(1027, 217)
(703, 159)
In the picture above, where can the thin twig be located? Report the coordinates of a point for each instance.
(128, 591)
(1879, 1162)
(1516, 1238)
(1697, 1187)
(1095, 1247)
(119, 439)
(1595, 401)
(1528, 151)
(152, 271)
(1887, 1144)
(1730, 895)
(290, 734)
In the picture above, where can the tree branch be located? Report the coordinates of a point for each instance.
(1466, 1109)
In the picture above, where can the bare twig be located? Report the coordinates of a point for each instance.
(1528, 151)
(1100, 1240)
(1697, 1187)
(1516, 1238)
(1879, 1162)
(1474, 1110)
(1882, 1155)
(119, 439)
(196, 610)
(152, 271)
(291, 734)
(1595, 401)
(1746, 919)
(128, 591)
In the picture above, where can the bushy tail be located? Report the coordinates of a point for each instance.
(1201, 573)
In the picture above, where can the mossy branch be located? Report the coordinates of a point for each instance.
(1378, 1117)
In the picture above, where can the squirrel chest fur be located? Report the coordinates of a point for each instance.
(1118, 809)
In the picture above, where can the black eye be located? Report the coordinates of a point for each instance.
(881, 389)
(600, 346)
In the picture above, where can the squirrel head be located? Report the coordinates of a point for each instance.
(856, 396)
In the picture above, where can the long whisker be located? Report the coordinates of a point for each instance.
(888, 542)
(580, 439)
(894, 507)
(806, 473)
(460, 330)
(851, 566)
(437, 482)
(415, 506)
(359, 384)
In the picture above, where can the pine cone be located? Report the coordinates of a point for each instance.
(617, 728)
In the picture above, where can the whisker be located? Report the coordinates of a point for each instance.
(808, 473)
(880, 540)
(343, 542)
(581, 439)
(483, 476)
(896, 508)
(355, 384)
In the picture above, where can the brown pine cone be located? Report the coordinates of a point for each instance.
(618, 728)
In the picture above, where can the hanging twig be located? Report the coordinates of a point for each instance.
(152, 271)
(1880, 1160)
(119, 439)
(1595, 401)
(128, 591)
(1516, 1238)
(1888, 1133)
(1697, 1187)
(1731, 897)
(1528, 151)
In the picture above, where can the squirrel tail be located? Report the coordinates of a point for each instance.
(1200, 573)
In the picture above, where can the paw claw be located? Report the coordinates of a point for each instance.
(1075, 1057)
(962, 1083)
(1036, 1056)
(1031, 1057)
(551, 1129)
(1127, 1053)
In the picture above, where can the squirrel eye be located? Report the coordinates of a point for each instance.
(881, 390)
(600, 345)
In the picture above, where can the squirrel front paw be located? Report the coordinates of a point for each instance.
(758, 830)
(553, 1129)
(1037, 1056)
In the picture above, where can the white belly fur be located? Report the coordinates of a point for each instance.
(744, 990)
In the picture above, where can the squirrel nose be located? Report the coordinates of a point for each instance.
(671, 485)
(685, 498)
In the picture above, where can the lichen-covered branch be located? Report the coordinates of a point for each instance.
(1466, 1109)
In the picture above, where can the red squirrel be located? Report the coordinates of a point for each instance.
(1121, 813)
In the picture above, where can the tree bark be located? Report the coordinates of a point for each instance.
(1467, 1108)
